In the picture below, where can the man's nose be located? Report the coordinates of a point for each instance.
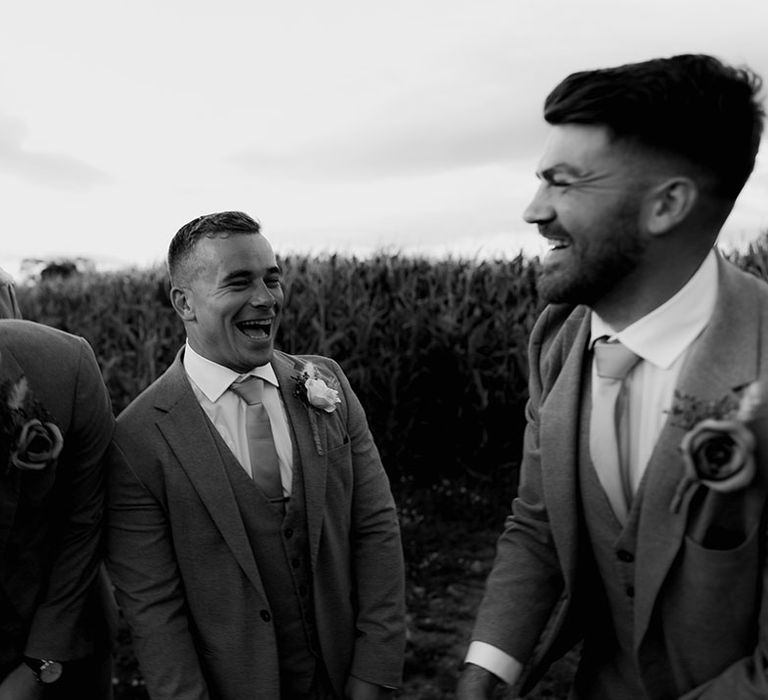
(539, 209)
(261, 295)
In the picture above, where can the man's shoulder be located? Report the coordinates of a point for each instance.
(41, 350)
(15, 332)
(156, 398)
(736, 276)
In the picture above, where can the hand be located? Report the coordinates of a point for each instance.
(21, 684)
(362, 690)
(475, 683)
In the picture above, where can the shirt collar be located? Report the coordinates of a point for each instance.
(661, 336)
(214, 379)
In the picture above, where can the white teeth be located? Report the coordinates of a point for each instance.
(255, 329)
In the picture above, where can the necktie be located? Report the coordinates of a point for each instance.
(608, 430)
(265, 467)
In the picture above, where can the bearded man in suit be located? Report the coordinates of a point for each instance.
(253, 540)
(639, 522)
(56, 612)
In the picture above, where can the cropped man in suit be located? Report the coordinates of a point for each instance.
(253, 541)
(639, 523)
(56, 612)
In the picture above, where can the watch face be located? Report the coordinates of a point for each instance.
(50, 671)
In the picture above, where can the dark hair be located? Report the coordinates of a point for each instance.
(208, 226)
(691, 106)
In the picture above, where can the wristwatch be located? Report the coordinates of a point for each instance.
(45, 670)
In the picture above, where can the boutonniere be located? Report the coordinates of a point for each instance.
(718, 446)
(312, 387)
(31, 440)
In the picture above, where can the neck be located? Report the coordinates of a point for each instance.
(645, 290)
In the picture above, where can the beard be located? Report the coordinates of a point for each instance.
(592, 264)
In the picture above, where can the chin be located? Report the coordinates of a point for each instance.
(262, 358)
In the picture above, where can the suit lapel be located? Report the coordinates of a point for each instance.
(559, 438)
(308, 435)
(724, 358)
(185, 426)
(10, 371)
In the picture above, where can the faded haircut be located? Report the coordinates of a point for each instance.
(691, 106)
(222, 223)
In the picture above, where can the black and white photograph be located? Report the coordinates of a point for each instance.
(357, 350)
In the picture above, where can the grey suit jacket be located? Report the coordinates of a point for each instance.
(53, 604)
(183, 567)
(700, 613)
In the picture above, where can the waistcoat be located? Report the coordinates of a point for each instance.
(279, 540)
(608, 667)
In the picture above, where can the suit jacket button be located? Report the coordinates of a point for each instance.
(630, 591)
(288, 533)
(265, 615)
(625, 556)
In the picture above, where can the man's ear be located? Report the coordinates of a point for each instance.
(181, 302)
(670, 203)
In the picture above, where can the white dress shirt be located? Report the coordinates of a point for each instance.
(663, 339)
(226, 410)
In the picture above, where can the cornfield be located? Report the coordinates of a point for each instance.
(436, 350)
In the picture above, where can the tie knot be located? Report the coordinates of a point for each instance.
(613, 360)
(250, 389)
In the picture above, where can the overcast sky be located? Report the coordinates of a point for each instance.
(342, 125)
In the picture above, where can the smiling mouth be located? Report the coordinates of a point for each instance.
(558, 243)
(256, 329)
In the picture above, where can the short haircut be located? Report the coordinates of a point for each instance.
(691, 106)
(221, 223)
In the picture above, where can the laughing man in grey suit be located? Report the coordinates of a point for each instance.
(236, 585)
(644, 537)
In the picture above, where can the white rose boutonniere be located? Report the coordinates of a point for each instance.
(320, 395)
(718, 447)
(312, 387)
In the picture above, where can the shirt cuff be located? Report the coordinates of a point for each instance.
(493, 659)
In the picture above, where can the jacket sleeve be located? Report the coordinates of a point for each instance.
(142, 564)
(525, 582)
(377, 557)
(57, 627)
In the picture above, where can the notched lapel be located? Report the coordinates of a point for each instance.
(309, 447)
(11, 371)
(724, 359)
(188, 433)
(559, 421)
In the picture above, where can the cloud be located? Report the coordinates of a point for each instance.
(472, 116)
(52, 169)
(435, 143)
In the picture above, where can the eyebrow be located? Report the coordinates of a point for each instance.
(550, 173)
(274, 270)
